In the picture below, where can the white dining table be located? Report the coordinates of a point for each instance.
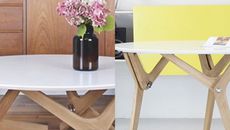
(33, 74)
(215, 76)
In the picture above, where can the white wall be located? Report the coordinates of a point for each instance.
(170, 96)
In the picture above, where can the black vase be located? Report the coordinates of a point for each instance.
(85, 51)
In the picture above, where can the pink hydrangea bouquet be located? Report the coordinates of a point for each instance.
(81, 13)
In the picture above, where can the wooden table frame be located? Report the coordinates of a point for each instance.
(212, 76)
(84, 118)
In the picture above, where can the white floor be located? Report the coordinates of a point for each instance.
(168, 124)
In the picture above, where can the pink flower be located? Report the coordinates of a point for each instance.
(99, 13)
(82, 9)
(61, 9)
(76, 21)
(79, 12)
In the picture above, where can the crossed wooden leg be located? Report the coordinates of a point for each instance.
(211, 70)
(216, 83)
(211, 77)
(207, 65)
(220, 90)
(143, 82)
(5, 103)
(101, 122)
(82, 105)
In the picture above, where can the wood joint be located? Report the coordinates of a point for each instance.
(143, 79)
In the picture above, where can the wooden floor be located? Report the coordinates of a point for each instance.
(25, 110)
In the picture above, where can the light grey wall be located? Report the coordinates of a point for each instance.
(126, 20)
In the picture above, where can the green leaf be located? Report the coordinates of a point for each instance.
(110, 23)
(81, 30)
(98, 29)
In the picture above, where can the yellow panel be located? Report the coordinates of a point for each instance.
(157, 23)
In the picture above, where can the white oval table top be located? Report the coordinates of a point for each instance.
(171, 47)
(53, 72)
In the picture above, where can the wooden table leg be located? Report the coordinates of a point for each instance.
(102, 122)
(64, 126)
(217, 84)
(220, 90)
(211, 70)
(138, 95)
(207, 65)
(137, 102)
(89, 113)
(209, 110)
(7, 101)
(5, 104)
(143, 82)
(209, 77)
(222, 103)
(82, 105)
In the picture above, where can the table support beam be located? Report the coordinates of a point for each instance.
(209, 81)
(158, 69)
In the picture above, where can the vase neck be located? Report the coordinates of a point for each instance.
(89, 29)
